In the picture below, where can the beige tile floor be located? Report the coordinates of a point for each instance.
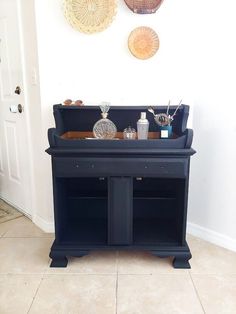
(110, 282)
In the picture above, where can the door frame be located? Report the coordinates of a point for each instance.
(32, 106)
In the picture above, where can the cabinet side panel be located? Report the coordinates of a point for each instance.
(60, 207)
(182, 205)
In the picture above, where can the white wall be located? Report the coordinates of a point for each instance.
(195, 62)
(212, 191)
(32, 106)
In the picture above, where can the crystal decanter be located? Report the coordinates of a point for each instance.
(104, 128)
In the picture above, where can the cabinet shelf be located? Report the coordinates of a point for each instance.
(89, 197)
(153, 198)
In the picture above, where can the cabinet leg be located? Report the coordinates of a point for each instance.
(59, 262)
(182, 261)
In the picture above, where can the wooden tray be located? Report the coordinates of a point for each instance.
(77, 135)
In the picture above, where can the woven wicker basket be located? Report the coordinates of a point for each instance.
(144, 6)
(89, 16)
(143, 42)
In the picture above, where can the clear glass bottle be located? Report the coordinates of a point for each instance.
(104, 128)
(142, 127)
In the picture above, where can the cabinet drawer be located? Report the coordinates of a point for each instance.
(156, 167)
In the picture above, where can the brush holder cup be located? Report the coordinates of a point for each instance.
(166, 131)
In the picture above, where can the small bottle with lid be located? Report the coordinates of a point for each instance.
(129, 133)
(142, 127)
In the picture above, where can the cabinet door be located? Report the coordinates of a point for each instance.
(120, 212)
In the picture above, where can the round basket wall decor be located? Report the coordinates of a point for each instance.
(143, 42)
(89, 16)
(144, 6)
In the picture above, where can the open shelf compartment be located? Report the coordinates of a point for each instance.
(157, 207)
(85, 220)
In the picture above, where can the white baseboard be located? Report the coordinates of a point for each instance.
(211, 236)
(46, 226)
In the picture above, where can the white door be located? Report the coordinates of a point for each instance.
(14, 157)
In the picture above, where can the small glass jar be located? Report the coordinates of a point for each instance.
(129, 133)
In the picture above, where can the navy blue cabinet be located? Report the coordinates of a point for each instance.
(119, 194)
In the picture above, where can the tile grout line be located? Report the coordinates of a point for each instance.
(116, 292)
(41, 280)
(7, 222)
(3, 222)
(2, 236)
(30, 237)
(117, 262)
(199, 299)
(79, 274)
